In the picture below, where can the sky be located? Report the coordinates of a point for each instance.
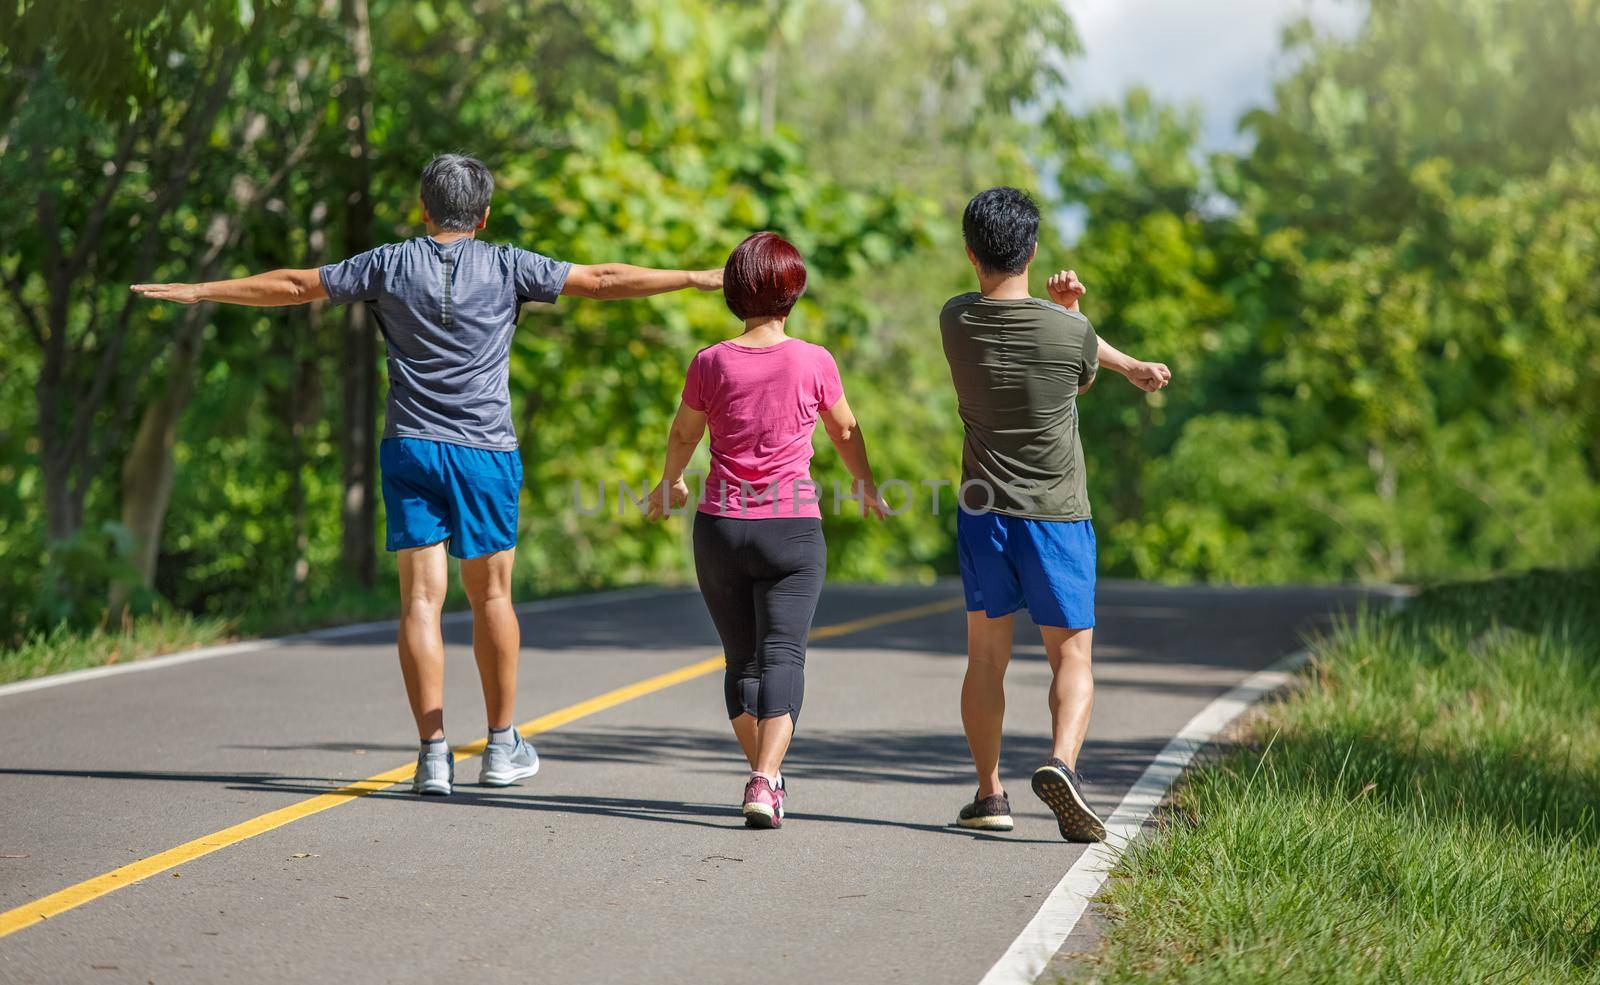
(1221, 55)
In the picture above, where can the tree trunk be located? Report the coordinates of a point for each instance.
(303, 410)
(147, 471)
(1386, 479)
(60, 458)
(73, 440)
(305, 405)
(359, 440)
(63, 499)
(63, 508)
(769, 71)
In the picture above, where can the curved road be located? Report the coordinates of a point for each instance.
(625, 859)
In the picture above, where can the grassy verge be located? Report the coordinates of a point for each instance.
(1423, 811)
(72, 649)
(63, 648)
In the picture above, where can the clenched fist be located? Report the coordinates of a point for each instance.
(1149, 377)
(1065, 289)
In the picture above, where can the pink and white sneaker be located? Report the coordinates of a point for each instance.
(763, 805)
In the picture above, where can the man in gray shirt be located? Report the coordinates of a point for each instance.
(447, 304)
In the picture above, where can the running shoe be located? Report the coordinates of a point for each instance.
(987, 813)
(436, 771)
(505, 763)
(763, 806)
(1061, 789)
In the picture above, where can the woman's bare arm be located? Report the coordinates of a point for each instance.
(688, 427)
(845, 433)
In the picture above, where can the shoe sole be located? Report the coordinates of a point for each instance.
(994, 822)
(432, 788)
(1076, 819)
(761, 816)
(507, 779)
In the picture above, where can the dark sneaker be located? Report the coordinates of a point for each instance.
(1062, 791)
(763, 806)
(987, 813)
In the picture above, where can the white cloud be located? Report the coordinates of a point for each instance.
(1219, 55)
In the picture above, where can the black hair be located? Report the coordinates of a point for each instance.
(1001, 227)
(456, 191)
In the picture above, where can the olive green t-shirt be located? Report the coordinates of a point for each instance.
(1017, 366)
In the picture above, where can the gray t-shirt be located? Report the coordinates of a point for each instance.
(447, 311)
(1017, 366)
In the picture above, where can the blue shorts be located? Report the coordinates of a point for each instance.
(434, 491)
(1048, 565)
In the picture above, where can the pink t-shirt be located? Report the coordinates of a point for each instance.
(761, 406)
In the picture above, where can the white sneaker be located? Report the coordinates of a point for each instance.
(436, 771)
(505, 764)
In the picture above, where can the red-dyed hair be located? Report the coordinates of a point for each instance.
(764, 277)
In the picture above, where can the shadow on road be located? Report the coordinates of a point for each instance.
(1130, 615)
(706, 815)
(853, 756)
(721, 816)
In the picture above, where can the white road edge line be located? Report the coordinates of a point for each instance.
(1028, 955)
(315, 636)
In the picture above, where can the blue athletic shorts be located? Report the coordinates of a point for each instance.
(1008, 562)
(434, 491)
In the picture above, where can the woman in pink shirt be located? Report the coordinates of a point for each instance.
(758, 548)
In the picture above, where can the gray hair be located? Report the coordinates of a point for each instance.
(455, 191)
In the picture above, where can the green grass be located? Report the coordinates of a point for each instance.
(1423, 810)
(65, 649)
(168, 631)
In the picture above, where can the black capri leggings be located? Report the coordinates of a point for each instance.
(761, 580)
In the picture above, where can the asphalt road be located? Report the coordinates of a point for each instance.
(626, 858)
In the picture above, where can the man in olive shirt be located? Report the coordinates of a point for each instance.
(1023, 531)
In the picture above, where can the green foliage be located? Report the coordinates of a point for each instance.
(77, 573)
(112, 55)
(1381, 317)
(652, 133)
(1423, 811)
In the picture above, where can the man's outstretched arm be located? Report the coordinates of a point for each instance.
(614, 281)
(271, 289)
(1144, 375)
(1065, 289)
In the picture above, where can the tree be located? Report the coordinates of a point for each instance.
(1390, 298)
(360, 446)
(106, 150)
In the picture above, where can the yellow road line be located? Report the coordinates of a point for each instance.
(28, 914)
(872, 622)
